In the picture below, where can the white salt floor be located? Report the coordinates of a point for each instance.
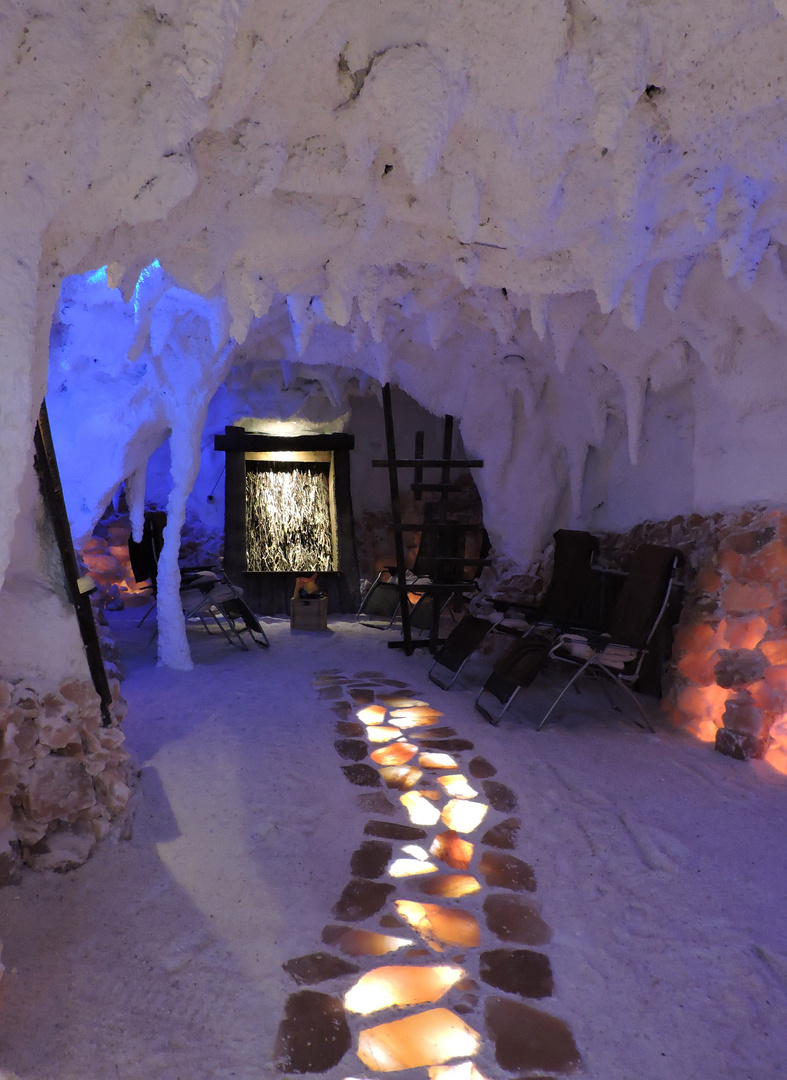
(660, 866)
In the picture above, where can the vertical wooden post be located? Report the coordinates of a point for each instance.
(396, 515)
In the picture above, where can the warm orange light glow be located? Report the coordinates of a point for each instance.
(371, 714)
(465, 1070)
(395, 754)
(412, 718)
(451, 886)
(430, 760)
(386, 987)
(440, 926)
(775, 652)
(382, 733)
(449, 848)
(428, 1038)
(410, 868)
(402, 777)
(776, 755)
(420, 810)
(463, 816)
(701, 706)
(368, 943)
(745, 632)
(456, 786)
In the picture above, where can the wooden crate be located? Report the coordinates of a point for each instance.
(309, 614)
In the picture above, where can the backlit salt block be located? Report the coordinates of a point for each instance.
(395, 986)
(402, 777)
(395, 754)
(436, 761)
(745, 632)
(457, 786)
(451, 849)
(450, 885)
(369, 943)
(775, 651)
(410, 867)
(465, 1070)
(463, 816)
(440, 926)
(372, 714)
(428, 1038)
(382, 733)
(413, 718)
(420, 810)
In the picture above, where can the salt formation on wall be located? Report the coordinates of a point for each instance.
(561, 223)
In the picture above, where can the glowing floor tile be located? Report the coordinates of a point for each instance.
(415, 852)
(436, 761)
(372, 714)
(410, 868)
(451, 849)
(414, 718)
(420, 810)
(428, 1038)
(402, 777)
(456, 786)
(440, 926)
(395, 754)
(386, 987)
(368, 943)
(463, 816)
(466, 1070)
(450, 885)
(382, 733)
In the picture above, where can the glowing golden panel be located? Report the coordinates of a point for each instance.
(372, 714)
(402, 777)
(440, 926)
(463, 816)
(382, 733)
(412, 718)
(451, 885)
(465, 1070)
(420, 810)
(431, 760)
(428, 1038)
(368, 943)
(395, 754)
(456, 786)
(410, 867)
(451, 849)
(389, 987)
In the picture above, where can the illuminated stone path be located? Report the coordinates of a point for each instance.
(428, 966)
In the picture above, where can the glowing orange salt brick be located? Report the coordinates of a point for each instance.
(382, 733)
(698, 666)
(776, 756)
(730, 563)
(464, 1070)
(769, 564)
(463, 816)
(738, 598)
(402, 777)
(428, 1038)
(410, 868)
(451, 849)
(775, 651)
(776, 677)
(436, 761)
(395, 754)
(700, 709)
(708, 580)
(386, 987)
(745, 632)
(457, 786)
(451, 886)
(412, 718)
(372, 714)
(369, 943)
(704, 730)
(777, 616)
(419, 809)
(440, 926)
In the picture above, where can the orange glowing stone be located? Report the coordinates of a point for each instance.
(456, 786)
(463, 816)
(436, 761)
(440, 926)
(465, 1070)
(775, 651)
(389, 987)
(410, 867)
(395, 754)
(372, 714)
(745, 632)
(451, 885)
(449, 848)
(402, 777)
(382, 733)
(368, 943)
(428, 1038)
(411, 718)
(420, 810)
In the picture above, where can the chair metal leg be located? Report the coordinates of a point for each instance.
(636, 701)
(495, 720)
(580, 671)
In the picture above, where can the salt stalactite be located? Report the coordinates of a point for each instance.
(634, 390)
(135, 500)
(207, 39)
(635, 294)
(465, 204)
(418, 102)
(675, 278)
(302, 320)
(576, 452)
(736, 216)
(539, 313)
(616, 73)
(466, 267)
(752, 256)
(707, 188)
(569, 315)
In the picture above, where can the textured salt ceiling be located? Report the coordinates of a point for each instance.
(419, 190)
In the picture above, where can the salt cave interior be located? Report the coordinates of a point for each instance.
(563, 224)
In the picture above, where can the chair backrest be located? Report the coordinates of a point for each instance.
(442, 544)
(644, 595)
(568, 587)
(143, 556)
